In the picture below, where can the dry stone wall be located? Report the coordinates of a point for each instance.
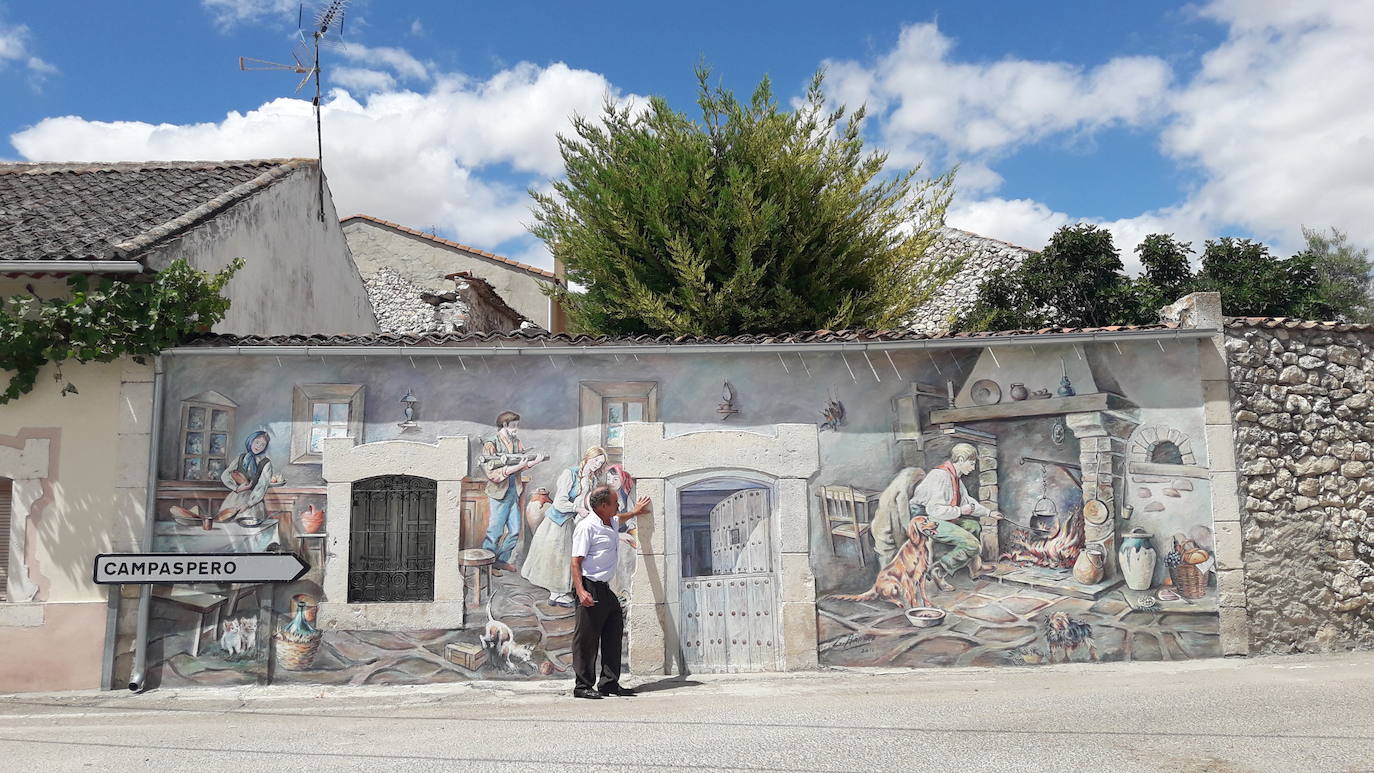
(1301, 398)
(982, 256)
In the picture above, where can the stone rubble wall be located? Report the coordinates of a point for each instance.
(1301, 403)
(982, 256)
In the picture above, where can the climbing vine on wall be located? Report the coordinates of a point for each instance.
(100, 320)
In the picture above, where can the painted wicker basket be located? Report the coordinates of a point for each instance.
(297, 655)
(1189, 581)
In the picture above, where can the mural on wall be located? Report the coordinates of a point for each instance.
(977, 510)
(1019, 539)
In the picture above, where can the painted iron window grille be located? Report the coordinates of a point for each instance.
(391, 539)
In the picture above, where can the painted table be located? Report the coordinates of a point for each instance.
(227, 537)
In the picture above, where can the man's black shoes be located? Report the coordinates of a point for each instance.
(618, 691)
(586, 692)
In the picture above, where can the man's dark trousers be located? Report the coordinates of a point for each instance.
(599, 626)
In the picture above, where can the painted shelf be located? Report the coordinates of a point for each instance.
(1019, 409)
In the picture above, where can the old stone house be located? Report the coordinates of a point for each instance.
(401, 263)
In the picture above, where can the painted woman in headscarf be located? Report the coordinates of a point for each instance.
(247, 479)
(624, 485)
(548, 563)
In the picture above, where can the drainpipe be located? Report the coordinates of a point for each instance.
(145, 595)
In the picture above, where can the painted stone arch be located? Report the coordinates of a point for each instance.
(1153, 440)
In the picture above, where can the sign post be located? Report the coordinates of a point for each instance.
(177, 568)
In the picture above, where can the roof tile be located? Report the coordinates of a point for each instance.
(107, 211)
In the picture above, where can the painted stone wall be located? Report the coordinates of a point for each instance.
(708, 431)
(1301, 396)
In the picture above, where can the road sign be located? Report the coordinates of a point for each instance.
(168, 568)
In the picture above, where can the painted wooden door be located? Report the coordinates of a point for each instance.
(729, 618)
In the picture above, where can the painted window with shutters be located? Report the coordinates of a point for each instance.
(616, 411)
(6, 509)
(207, 432)
(320, 411)
(607, 406)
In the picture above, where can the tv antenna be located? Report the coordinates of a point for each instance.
(327, 28)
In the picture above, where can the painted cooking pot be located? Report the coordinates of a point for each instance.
(1138, 557)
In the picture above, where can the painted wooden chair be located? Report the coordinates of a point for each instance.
(848, 513)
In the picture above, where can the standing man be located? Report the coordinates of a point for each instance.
(600, 620)
(504, 459)
(941, 496)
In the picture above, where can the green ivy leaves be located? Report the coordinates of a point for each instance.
(102, 319)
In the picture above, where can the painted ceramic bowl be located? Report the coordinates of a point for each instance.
(925, 617)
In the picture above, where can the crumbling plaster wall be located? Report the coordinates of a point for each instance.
(1301, 403)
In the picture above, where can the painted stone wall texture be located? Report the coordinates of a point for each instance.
(1301, 401)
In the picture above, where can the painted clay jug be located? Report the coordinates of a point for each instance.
(1019, 392)
(1090, 564)
(1137, 557)
(312, 520)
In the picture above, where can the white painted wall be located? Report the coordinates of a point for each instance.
(298, 275)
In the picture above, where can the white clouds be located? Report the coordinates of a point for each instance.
(1278, 123)
(1280, 120)
(361, 79)
(398, 60)
(923, 97)
(417, 29)
(229, 13)
(16, 50)
(458, 156)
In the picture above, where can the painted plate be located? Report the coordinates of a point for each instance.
(1095, 511)
(985, 392)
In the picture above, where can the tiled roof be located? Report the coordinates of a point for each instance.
(537, 337)
(1289, 323)
(447, 243)
(117, 211)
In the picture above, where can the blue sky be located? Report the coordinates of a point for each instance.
(1223, 117)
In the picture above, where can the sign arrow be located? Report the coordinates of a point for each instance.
(173, 568)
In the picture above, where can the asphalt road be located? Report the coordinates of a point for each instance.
(1268, 714)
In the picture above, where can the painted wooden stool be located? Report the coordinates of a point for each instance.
(481, 560)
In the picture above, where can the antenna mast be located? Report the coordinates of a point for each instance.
(329, 19)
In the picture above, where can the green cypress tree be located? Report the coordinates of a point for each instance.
(753, 219)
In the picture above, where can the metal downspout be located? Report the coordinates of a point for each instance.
(137, 676)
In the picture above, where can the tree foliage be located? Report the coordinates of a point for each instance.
(1078, 281)
(103, 319)
(752, 219)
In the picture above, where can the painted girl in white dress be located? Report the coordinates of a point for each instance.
(548, 564)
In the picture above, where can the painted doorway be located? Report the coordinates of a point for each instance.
(728, 593)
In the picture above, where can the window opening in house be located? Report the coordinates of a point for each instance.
(320, 411)
(207, 427)
(326, 420)
(6, 512)
(391, 539)
(616, 411)
(1166, 452)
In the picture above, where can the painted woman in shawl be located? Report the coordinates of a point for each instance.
(548, 563)
(247, 479)
(624, 485)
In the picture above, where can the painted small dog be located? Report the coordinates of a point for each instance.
(1065, 635)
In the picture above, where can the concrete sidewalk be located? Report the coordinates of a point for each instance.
(1307, 713)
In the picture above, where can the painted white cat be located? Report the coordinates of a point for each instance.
(240, 636)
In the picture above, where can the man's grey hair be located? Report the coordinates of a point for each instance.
(600, 495)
